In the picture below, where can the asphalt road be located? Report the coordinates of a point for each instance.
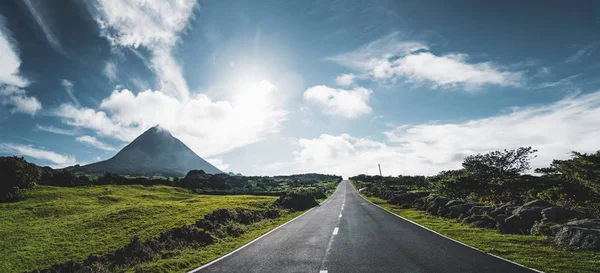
(348, 234)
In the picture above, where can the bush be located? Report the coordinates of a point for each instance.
(16, 175)
(299, 200)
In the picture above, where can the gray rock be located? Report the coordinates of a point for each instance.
(528, 216)
(480, 210)
(454, 202)
(583, 234)
(537, 203)
(500, 218)
(512, 225)
(560, 215)
(510, 209)
(441, 201)
(405, 197)
(462, 208)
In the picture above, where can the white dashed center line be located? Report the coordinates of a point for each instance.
(323, 271)
(340, 216)
(336, 230)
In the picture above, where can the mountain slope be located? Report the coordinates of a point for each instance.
(155, 152)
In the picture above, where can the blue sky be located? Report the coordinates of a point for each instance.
(275, 87)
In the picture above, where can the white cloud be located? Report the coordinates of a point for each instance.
(208, 127)
(90, 140)
(20, 102)
(339, 102)
(390, 59)
(219, 163)
(11, 83)
(345, 79)
(110, 71)
(447, 70)
(68, 85)
(554, 129)
(26, 150)
(52, 129)
(154, 25)
(9, 70)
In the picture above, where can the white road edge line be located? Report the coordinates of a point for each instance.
(336, 230)
(515, 263)
(249, 243)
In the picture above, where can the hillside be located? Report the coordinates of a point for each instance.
(155, 152)
(58, 224)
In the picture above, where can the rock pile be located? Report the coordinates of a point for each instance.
(534, 217)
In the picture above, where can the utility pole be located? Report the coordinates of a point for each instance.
(379, 165)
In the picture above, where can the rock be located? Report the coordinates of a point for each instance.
(421, 194)
(443, 211)
(404, 198)
(511, 225)
(441, 201)
(482, 221)
(510, 209)
(454, 202)
(560, 215)
(543, 228)
(500, 218)
(537, 203)
(462, 208)
(480, 210)
(528, 216)
(432, 208)
(583, 234)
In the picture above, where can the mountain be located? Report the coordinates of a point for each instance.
(155, 152)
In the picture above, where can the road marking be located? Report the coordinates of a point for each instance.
(336, 230)
(323, 271)
(340, 216)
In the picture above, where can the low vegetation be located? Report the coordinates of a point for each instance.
(492, 204)
(114, 223)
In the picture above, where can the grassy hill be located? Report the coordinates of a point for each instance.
(58, 224)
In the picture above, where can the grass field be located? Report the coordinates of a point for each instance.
(532, 251)
(55, 225)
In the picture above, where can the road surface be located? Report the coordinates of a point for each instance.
(349, 234)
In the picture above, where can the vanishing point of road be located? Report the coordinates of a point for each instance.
(349, 234)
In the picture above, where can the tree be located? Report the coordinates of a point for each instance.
(581, 169)
(16, 175)
(499, 165)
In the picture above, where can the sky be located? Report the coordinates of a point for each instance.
(280, 87)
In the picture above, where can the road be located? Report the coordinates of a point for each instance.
(349, 234)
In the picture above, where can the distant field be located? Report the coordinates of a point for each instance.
(533, 251)
(58, 224)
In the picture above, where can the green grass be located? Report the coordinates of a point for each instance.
(55, 225)
(532, 251)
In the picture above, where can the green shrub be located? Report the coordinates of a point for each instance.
(16, 175)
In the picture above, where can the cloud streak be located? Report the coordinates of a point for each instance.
(92, 141)
(58, 160)
(38, 16)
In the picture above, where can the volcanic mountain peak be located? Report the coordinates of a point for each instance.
(155, 152)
